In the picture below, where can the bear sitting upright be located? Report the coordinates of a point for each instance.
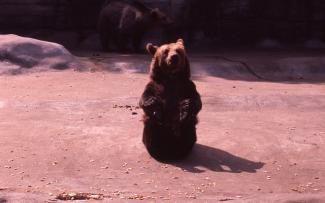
(170, 103)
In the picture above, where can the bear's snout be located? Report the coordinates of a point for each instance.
(174, 59)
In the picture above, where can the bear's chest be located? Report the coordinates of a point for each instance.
(172, 94)
(171, 97)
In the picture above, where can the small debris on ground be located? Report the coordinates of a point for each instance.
(137, 197)
(128, 107)
(226, 199)
(79, 196)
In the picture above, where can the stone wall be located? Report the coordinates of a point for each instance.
(226, 20)
(249, 20)
(48, 14)
(26, 14)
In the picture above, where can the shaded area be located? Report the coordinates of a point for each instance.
(288, 69)
(241, 21)
(18, 54)
(217, 160)
(282, 66)
(3, 200)
(246, 21)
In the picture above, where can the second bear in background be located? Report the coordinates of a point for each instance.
(124, 23)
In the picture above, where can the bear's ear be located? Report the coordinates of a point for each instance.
(151, 49)
(180, 41)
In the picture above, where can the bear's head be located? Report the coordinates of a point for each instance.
(160, 17)
(153, 16)
(169, 61)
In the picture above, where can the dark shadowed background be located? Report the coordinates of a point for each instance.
(73, 22)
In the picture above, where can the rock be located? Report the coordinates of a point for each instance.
(17, 54)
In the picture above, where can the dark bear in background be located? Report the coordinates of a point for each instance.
(171, 103)
(124, 23)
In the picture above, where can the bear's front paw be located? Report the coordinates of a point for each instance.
(157, 116)
(183, 115)
(149, 102)
(184, 109)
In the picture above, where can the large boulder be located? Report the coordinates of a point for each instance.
(18, 54)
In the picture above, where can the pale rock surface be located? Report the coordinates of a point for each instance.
(17, 54)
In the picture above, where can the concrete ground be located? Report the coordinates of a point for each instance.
(259, 139)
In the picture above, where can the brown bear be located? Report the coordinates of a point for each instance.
(170, 103)
(123, 24)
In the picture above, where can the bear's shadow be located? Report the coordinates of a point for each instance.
(216, 160)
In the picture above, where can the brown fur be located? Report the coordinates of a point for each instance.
(170, 102)
(124, 23)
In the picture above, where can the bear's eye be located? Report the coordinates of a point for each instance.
(165, 52)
